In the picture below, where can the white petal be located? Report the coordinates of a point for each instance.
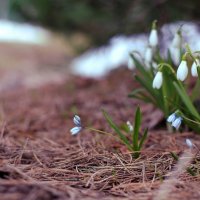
(175, 55)
(189, 143)
(176, 124)
(182, 71)
(194, 68)
(176, 42)
(75, 130)
(148, 55)
(77, 120)
(153, 38)
(129, 126)
(157, 81)
(171, 118)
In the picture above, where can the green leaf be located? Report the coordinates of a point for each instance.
(140, 67)
(117, 130)
(155, 94)
(186, 100)
(140, 94)
(198, 71)
(174, 155)
(136, 129)
(144, 137)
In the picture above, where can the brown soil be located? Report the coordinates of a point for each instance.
(39, 159)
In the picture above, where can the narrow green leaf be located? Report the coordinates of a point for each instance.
(155, 94)
(144, 137)
(117, 130)
(186, 100)
(140, 94)
(136, 129)
(198, 71)
(140, 67)
(174, 155)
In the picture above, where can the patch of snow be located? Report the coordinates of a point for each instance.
(99, 62)
(12, 32)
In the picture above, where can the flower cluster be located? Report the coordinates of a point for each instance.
(77, 121)
(182, 72)
(175, 120)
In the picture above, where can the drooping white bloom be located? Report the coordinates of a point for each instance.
(177, 122)
(194, 68)
(148, 55)
(158, 80)
(78, 127)
(75, 130)
(175, 55)
(131, 64)
(77, 120)
(189, 143)
(171, 118)
(153, 38)
(129, 126)
(177, 40)
(182, 71)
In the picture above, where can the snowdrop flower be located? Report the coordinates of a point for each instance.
(158, 80)
(153, 37)
(148, 55)
(182, 71)
(75, 130)
(177, 122)
(194, 68)
(189, 143)
(177, 40)
(175, 54)
(171, 118)
(77, 120)
(78, 127)
(129, 126)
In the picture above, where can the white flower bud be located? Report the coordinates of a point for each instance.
(153, 38)
(148, 55)
(75, 130)
(158, 80)
(182, 71)
(129, 126)
(194, 68)
(189, 143)
(176, 42)
(171, 118)
(77, 120)
(175, 55)
(177, 122)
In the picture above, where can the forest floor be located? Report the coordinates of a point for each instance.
(40, 159)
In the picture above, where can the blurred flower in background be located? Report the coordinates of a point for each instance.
(99, 19)
(72, 27)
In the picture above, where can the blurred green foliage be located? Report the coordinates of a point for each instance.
(100, 19)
